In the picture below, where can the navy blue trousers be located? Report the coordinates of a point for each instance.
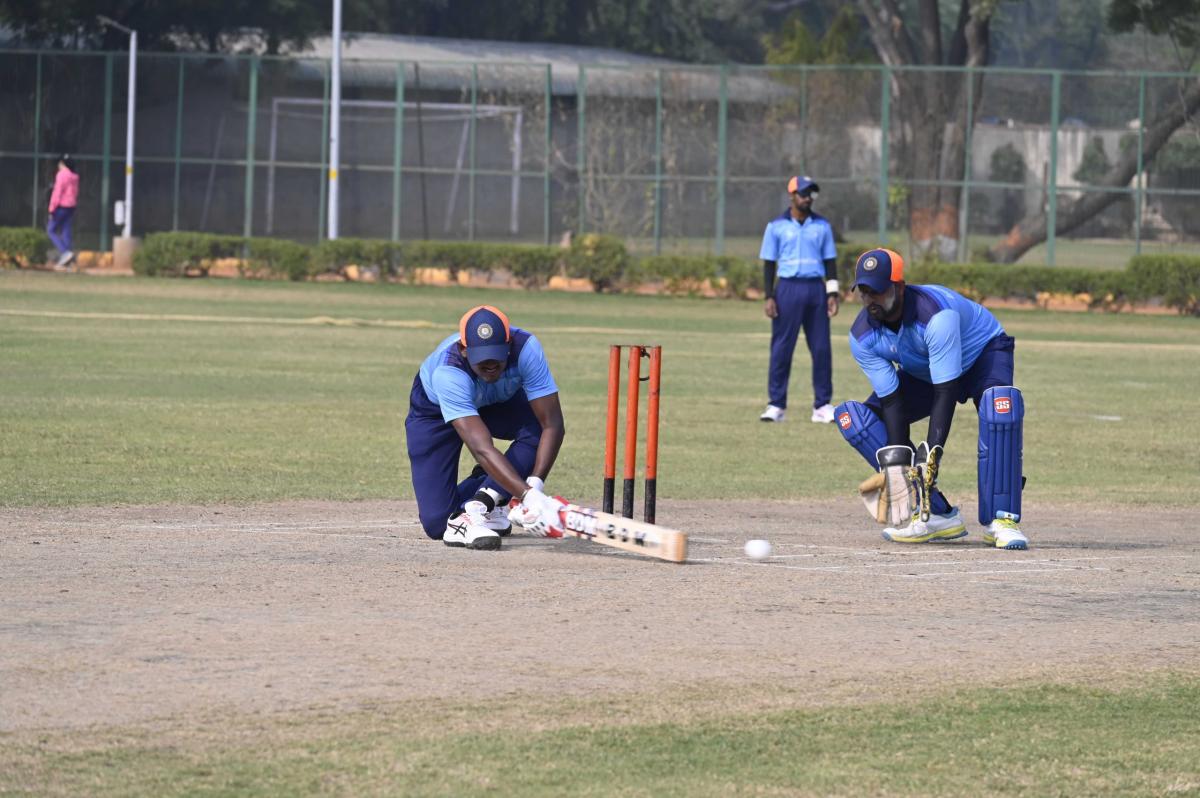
(993, 367)
(434, 449)
(58, 228)
(801, 303)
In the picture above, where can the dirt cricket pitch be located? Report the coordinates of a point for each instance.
(118, 616)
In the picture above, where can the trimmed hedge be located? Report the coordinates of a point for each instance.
(184, 254)
(1175, 278)
(601, 259)
(22, 247)
(691, 275)
(604, 260)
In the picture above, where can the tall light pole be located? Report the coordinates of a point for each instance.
(335, 120)
(127, 231)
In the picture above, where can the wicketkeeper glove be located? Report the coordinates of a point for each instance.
(928, 459)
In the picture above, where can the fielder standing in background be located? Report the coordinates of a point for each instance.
(798, 248)
(925, 348)
(488, 380)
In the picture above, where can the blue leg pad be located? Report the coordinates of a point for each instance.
(862, 429)
(1001, 410)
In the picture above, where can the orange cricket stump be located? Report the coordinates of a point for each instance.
(632, 397)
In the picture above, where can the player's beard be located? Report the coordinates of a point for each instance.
(878, 311)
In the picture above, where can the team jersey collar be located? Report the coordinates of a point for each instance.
(787, 214)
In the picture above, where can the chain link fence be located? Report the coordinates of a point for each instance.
(672, 158)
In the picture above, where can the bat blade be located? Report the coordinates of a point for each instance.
(623, 533)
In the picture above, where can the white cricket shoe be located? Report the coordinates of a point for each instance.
(938, 528)
(1004, 533)
(772, 413)
(823, 414)
(465, 531)
(497, 520)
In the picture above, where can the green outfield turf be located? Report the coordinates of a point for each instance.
(1045, 741)
(144, 391)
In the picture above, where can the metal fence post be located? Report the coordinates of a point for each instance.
(804, 118)
(324, 189)
(178, 145)
(549, 99)
(581, 130)
(1052, 180)
(251, 122)
(722, 132)
(1141, 178)
(105, 159)
(964, 218)
(37, 138)
(397, 150)
(885, 114)
(658, 154)
(471, 167)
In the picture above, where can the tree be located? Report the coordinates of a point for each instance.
(1007, 165)
(1065, 34)
(1180, 21)
(213, 25)
(796, 43)
(688, 30)
(930, 106)
(1094, 164)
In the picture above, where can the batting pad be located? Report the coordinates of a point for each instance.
(862, 429)
(1000, 412)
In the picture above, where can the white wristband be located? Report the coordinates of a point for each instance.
(831, 287)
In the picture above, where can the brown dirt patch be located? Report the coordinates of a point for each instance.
(128, 615)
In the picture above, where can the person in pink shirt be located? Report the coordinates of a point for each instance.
(62, 211)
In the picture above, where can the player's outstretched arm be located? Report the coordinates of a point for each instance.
(548, 412)
(478, 439)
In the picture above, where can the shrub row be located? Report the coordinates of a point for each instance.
(602, 260)
(607, 264)
(1174, 280)
(195, 254)
(22, 247)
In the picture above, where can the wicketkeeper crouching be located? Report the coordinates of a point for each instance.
(488, 380)
(925, 348)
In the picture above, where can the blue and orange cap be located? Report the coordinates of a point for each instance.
(486, 333)
(878, 268)
(802, 183)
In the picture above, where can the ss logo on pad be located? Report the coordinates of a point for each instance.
(1003, 404)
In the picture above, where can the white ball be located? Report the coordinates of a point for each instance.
(758, 549)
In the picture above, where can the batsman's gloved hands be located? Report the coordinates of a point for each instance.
(541, 511)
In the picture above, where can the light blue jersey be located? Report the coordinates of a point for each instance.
(941, 335)
(451, 385)
(799, 249)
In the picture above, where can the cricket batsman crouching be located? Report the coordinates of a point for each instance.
(924, 349)
(488, 380)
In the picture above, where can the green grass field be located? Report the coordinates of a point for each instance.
(1047, 741)
(142, 391)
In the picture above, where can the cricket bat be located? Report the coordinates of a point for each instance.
(624, 533)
